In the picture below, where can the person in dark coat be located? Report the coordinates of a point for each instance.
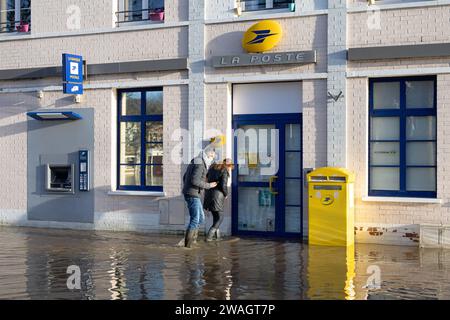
(215, 197)
(194, 184)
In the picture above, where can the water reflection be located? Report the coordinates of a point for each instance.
(33, 265)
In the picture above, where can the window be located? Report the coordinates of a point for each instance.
(140, 10)
(15, 15)
(256, 5)
(140, 150)
(402, 133)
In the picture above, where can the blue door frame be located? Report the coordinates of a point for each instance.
(279, 121)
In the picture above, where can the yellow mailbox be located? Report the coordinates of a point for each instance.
(331, 207)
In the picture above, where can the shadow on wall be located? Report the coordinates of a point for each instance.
(226, 44)
(12, 105)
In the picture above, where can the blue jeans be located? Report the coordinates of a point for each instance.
(196, 213)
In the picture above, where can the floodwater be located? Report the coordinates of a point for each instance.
(34, 265)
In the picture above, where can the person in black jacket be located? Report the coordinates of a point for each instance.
(194, 183)
(215, 197)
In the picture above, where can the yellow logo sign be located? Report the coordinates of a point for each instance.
(262, 36)
(327, 200)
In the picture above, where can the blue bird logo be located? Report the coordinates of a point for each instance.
(261, 35)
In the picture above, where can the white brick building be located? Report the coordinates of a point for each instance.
(373, 64)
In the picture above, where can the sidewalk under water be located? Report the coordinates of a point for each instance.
(34, 262)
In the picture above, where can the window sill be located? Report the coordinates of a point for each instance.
(385, 5)
(15, 35)
(137, 193)
(402, 200)
(138, 23)
(265, 11)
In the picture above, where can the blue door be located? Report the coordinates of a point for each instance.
(267, 180)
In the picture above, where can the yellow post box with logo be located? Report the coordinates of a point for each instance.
(331, 207)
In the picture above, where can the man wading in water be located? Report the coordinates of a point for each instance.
(194, 185)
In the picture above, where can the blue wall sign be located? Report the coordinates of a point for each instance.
(73, 88)
(72, 74)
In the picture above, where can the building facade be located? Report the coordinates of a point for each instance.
(351, 83)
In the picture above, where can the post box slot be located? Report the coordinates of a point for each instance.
(338, 179)
(327, 188)
(318, 178)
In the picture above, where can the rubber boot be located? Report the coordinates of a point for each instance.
(195, 236)
(217, 235)
(210, 236)
(189, 238)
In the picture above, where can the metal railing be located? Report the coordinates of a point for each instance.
(257, 5)
(154, 15)
(8, 22)
(13, 26)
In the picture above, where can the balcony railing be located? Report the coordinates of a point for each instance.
(9, 22)
(14, 26)
(152, 15)
(258, 5)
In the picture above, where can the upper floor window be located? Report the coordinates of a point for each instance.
(15, 16)
(140, 10)
(140, 139)
(256, 5)
(402, 137)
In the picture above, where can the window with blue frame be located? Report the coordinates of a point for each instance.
(402, 137)
(140, 130)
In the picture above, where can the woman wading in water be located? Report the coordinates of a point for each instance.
(215, 197)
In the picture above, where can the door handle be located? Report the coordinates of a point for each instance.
(271, 179)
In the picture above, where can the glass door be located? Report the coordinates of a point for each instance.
(267, 181)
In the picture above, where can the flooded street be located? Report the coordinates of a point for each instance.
(34, 262)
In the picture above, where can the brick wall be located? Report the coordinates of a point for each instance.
(13, 146)
(101, 48)
(394, 221)
(59, 15)
(301, 33)
(400, 26)
(314, 115)
(55, 16)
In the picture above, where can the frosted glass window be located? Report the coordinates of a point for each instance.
(385, 179)
(421, 153)
(293, 137)
(256, 207)
(402, 137)
(292, 190)
(292, 220)
(385, 128)
(421, 128)
(421, 179)
(293, 165)
(419, 94)
(386, 95)
(385, 153)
